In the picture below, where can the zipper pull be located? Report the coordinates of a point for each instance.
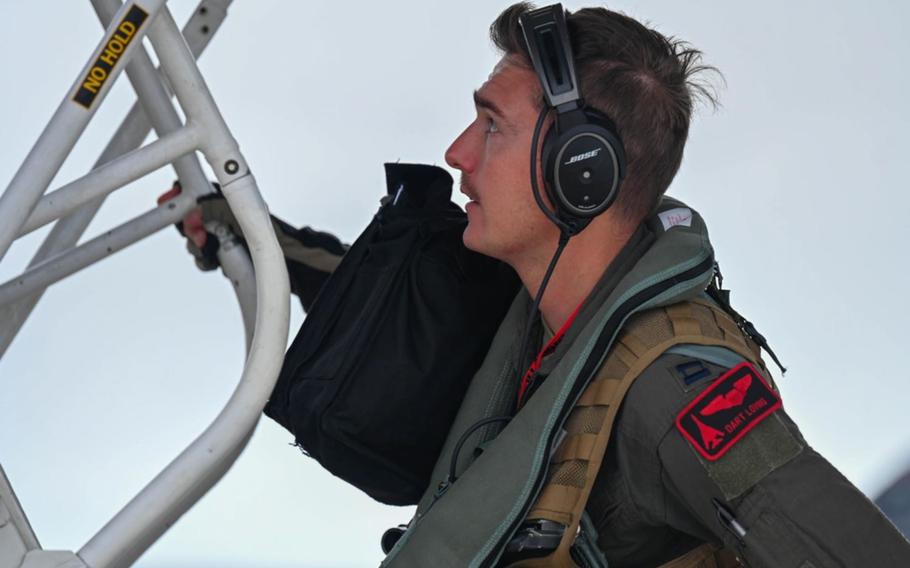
(749, 329)
(722, 297)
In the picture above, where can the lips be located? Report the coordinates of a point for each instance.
(467, 189)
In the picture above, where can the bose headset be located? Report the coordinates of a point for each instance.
(583, 157)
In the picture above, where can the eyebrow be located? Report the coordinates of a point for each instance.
(482, 102)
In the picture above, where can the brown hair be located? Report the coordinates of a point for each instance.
(639, 78)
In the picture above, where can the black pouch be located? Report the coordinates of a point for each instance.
(372, 382)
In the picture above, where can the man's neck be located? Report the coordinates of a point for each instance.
(580, 267)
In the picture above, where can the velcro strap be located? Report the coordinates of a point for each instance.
(683, 320)
(556, 503)
(729, 327)
(633, 343)
(575, 447)
(731, 332)
(624, 354)
(599, 393)
(560, 517)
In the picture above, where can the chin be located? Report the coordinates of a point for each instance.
(471, 239)
(474, 239)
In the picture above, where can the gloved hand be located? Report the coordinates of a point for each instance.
(311, 255)
(200, 243)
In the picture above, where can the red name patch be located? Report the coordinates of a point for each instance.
(721, 415)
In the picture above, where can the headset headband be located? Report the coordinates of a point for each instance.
(547, 37)
(582, 157)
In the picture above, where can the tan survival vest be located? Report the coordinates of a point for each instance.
(574, 465)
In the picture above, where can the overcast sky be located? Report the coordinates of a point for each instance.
(801, 176)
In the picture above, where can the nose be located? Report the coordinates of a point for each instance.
(460, 154)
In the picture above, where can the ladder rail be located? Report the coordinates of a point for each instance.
(66, 232)
(205, 460)
(113, 175)
(66, 126)
(16, 514)
(71, 261)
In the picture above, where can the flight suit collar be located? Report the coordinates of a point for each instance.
(636, 247)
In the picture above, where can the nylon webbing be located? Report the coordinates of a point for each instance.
(683, 319)
(575, 463)
(575, 447)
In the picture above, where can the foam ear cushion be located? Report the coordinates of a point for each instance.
(547, 159)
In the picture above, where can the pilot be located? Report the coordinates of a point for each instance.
(703, 467)
(624, 414)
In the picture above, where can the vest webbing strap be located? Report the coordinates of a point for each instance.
(575, 463)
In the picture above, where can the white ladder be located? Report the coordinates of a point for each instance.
(25, 206)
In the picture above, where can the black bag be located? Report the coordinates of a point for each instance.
(372, 382)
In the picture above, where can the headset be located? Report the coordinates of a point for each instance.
(583, 157)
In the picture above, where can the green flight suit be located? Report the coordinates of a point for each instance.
(652, 501)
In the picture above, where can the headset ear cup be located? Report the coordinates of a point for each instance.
(587, 167)
(601, 120)
(572, 224)
(583, 162)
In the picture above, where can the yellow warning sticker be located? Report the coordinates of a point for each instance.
(113, 50)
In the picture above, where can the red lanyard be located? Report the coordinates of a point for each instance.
(549, 348)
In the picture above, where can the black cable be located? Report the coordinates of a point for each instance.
(566, 231)
(525, 336)
(464, 438)
(563, 241)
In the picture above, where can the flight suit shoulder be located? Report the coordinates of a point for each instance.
(636, 514)
(669, 384)
(744, 454)
(710, 404)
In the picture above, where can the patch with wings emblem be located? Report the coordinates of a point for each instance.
(721, 415)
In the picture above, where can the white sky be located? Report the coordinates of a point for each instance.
(801, 176)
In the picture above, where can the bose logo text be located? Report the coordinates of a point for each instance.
(584, 156)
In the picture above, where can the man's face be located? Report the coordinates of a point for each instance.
(493, 156)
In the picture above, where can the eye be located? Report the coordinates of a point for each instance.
(492, 127)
